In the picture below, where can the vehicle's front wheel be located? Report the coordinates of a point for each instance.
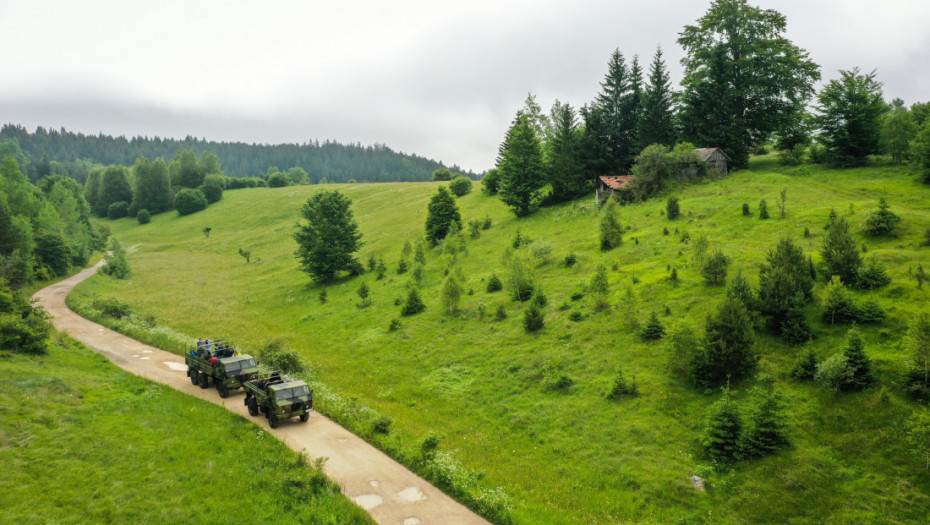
(304, 417)
(272, 420)
(253, 407)
(222, 389)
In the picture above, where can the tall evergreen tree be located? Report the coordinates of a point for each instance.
(740, 70)
(784, 275)
(619, 105)
(766, 430)
(330, 237)
(566, 175)
(441, 213)
(858, 364)
(521, 168)
(656, 125)
(839, 252)
(728, 351)
(721, 439)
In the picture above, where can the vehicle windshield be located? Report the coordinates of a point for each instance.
(233, 367)
(290, 393)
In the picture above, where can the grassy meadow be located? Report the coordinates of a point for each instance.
(85, 442)
(496, 395)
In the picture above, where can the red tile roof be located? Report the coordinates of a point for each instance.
(617, 181)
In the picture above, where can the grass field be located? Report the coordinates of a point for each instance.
(566, 455)
(85, 442)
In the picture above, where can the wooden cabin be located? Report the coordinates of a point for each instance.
(717, 161)
(616, 186)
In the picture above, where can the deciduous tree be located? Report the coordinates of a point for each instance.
(850, 114)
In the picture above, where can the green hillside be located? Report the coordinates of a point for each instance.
(528, 412)
(85, 442)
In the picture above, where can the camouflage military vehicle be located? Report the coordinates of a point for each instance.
(279, 399)
(227, 373)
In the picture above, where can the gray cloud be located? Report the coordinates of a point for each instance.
(441, 81)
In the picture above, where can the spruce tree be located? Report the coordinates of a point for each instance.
(533, 319)
(413, 304)
(567, 178)
(521, 167)
(329, 238)
(728, 346)
(721, 439)
(653, 329)
(839, 252)
(794, 329)
(784, 274)
(616, 102)
(918, 345)
(806, 367)
(766, 430)
(859, 364)
(656, 125)
(672, 209)
(611, 230)
(738, 288)
(441, 214)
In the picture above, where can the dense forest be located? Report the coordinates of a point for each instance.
(64, 152)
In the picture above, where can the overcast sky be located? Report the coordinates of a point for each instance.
(438, 79)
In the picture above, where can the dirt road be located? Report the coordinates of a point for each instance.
(388, 491)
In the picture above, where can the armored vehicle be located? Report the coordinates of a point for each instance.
(278, 398)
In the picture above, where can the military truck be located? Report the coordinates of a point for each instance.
(227, 373)
(278, 398)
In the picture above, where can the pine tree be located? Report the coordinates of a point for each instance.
(721, 439)
(739, 289)
(533, 319)
(784, 274)
(766, 430)
(520, 164)
(567, 178)
(619, 105)
(329, 238)
(611, 230)
(839, 252)
(494, 284)
(656, 124)
(653, 329)
(441, 213)
(859, 364)
(728, 346)
(413, 304)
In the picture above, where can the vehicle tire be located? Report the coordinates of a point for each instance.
(192, 373)
(253, 407)
(272, 420)
(304, 417)
(222, 389)
(203, 380)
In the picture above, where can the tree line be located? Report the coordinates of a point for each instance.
(744, 90)
(49, 151)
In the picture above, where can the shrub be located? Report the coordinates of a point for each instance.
(474, 228)
(322, 296)
(189, 201)
(278, 179)
(429, 445)
(871, 312)
(576, 316)
(838, 306)
(501, 313)
(21, 335)
(570, 260)
(746, 212)
(401, 266)
(451, 295)
(560, 384)
(622, 387)
(212, 192)
(672, 211)
(542, 250)
(494, 284)
(112, 308)
(143, 216)
(653, 329)
(714, 268)
(117, 265)
(926, 238)
(539, 298)
(460, 186)
(413, 304)
(871, 275)
(599, 287)
(394, 325)
(382, 425)
(246, 254)
(491, 182)
(533, 319)
(806, 367)
(882, 222)
(118, 210)
(520, 281)
(278, 356)
(763, 210)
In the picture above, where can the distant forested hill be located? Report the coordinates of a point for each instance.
(330, 160)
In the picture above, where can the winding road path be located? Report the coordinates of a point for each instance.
(386, 489)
